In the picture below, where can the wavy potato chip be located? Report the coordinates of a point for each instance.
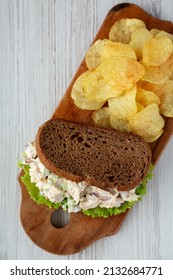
(83, 103)
(166, 107)
(117, 49)
(124, 106)
(146, 97)
(162, 33)
(96, 89)
(139, 106)
(165, 93)
(93, 55)
(138, 38)
(148, 123)
(171, 77)
(158, 74)
(119, 124)
(78, 95)
(89, 84)
(101, 117)
(155, 31)
(105, 48)
(133, 72)
(151, 139)
(121, 72)
(121, 30)
(156, 88)
(157, 50)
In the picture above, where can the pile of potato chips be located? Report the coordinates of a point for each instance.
(129, 81)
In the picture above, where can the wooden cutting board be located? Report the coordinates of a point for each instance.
(82, 231)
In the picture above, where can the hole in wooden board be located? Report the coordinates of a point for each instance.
(59, 218)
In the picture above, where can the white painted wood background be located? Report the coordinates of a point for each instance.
(41, 46)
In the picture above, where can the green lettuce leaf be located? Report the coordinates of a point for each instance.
(34, 191)
(142, 188)
(106, 212)
(95, 212)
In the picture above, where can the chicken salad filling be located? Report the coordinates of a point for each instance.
(77, 196)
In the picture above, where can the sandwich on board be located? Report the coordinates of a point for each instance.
(80, 167)
(103, 169)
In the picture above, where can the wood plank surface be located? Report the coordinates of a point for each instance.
(42, 44)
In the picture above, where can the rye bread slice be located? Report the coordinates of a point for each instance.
(102, 157)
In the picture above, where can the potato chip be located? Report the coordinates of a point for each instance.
(102, 49)
(139, 92)
(117, 49)
(163, 34)
(124, 106)
(160, 33)
(138, 38)
(146, 97)
(78, 95)
(96, 89)
(141, 83)
(93, 55)
(151, 139)
(171, 77)
(119, 124)
(156, 88)
(155, 31)
(101, 117)
(139, 106)
(83, 103)
(121, 72)
(165, 93)
(156, 51)
(121, 30)
(158, 74)
(166, 107)
(148, 123)
(90, 84)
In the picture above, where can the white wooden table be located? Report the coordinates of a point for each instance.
(41, 45)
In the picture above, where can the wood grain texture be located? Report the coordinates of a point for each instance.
(42, 44)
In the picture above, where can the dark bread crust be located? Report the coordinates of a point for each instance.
(100, 156)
